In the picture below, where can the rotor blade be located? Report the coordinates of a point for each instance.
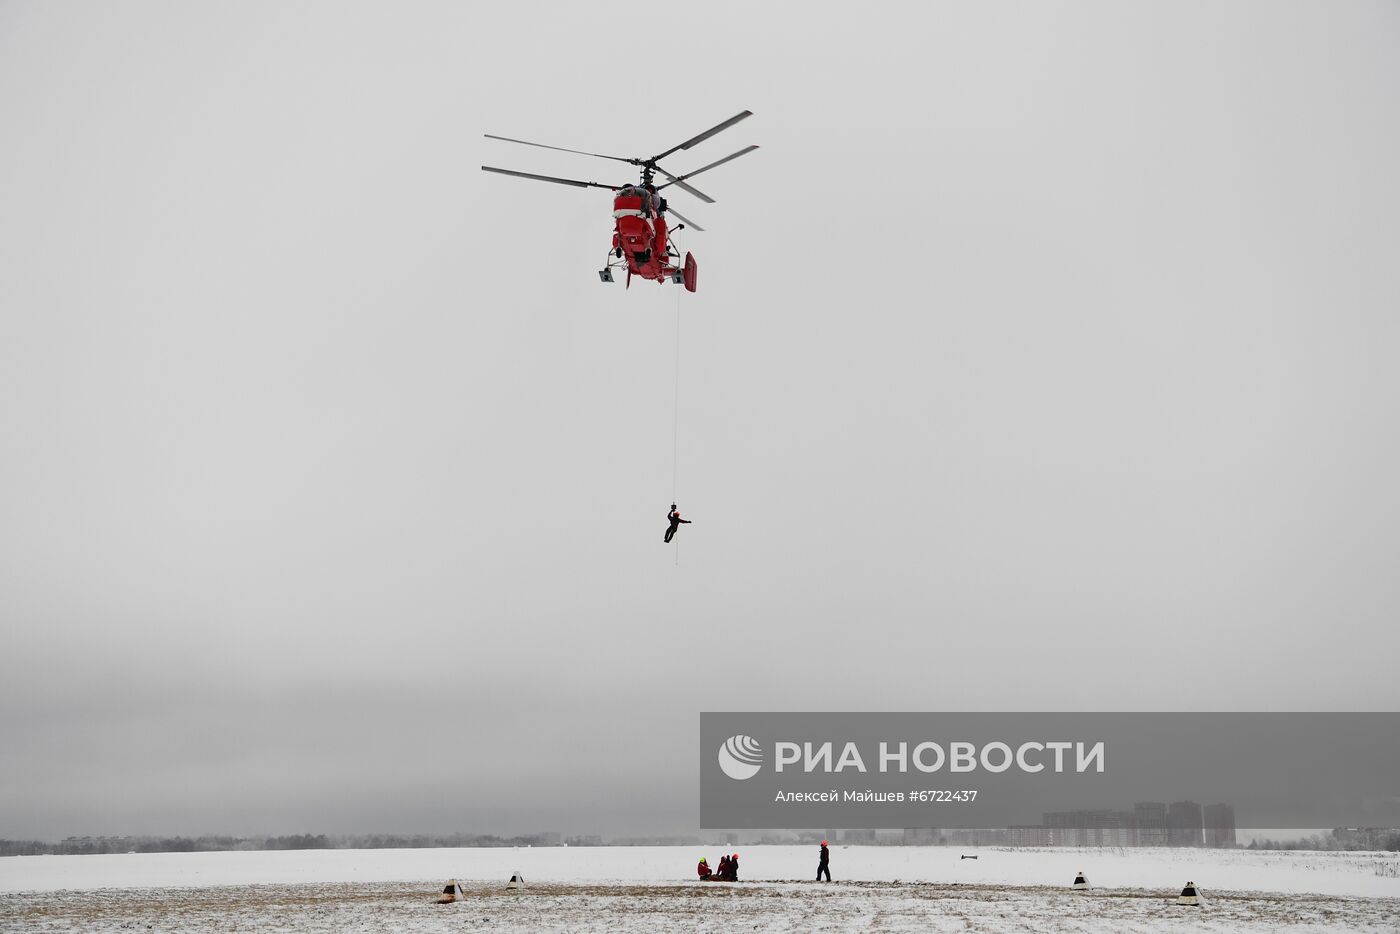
(706, 135)
(548, 178)
(685, 220)
(580, 152)
(681, 178)
(680, 184)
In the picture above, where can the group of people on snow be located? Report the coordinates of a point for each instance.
(728, 870)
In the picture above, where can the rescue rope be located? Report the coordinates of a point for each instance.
(676, 410)
(676, 419)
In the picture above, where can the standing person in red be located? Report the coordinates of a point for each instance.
(734, 868)
(703, 869)
(723, 874)
(674, 517)
(824, 864)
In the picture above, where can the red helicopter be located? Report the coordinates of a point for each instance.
(641, 236)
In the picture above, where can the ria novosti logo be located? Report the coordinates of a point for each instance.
(741, 757)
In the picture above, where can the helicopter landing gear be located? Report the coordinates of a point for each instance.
(605, 275)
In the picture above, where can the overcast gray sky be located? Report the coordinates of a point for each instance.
(1044, 358)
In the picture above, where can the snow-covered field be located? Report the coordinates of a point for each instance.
(650, 889)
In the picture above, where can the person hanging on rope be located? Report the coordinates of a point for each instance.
(674, 517)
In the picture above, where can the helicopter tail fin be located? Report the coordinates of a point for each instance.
(691, 271)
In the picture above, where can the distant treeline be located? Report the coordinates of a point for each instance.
(1366, 838)
(83, 846)
(1342, 838)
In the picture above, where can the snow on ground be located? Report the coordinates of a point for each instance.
(650, 889)
(1359, 874)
